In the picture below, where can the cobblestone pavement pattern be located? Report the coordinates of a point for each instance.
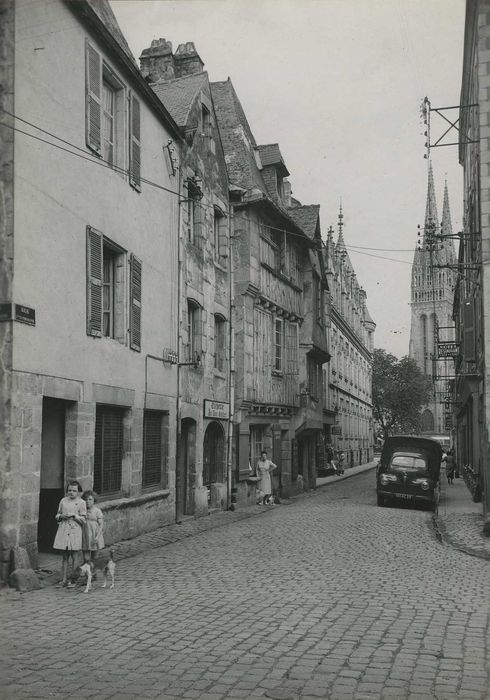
(329, 597)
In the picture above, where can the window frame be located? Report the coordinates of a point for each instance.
(220, 344)
(161, 418)
(279, 345)
(102, 449)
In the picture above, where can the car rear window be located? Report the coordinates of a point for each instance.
(408, 462)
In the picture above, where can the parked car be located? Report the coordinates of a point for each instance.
(409, 470)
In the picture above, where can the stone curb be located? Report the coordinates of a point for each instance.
(442, 532)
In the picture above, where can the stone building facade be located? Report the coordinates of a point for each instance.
(471, 397)
(280, 343)
(432, 295)
(348, 377)
(204, 279)
(90, 252)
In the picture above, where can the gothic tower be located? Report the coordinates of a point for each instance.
(432, 291)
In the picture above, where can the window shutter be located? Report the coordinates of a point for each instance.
(135, 143)
(469, 344)
(135, 289)
(94, 281)
(204, 330)
(93, 81)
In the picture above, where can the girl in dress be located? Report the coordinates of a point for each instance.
(92, 539)
(71, 515)
(264, 468)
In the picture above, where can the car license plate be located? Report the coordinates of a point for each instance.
(406, 496)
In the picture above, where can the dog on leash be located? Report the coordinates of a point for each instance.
(109, 569)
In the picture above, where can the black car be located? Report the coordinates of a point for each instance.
(409, 470)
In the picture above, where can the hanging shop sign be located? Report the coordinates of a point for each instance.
(448, 349)
(216, 409)
(17, 312)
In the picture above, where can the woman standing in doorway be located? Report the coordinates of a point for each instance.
(264, 468)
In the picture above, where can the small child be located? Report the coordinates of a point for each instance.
(71, 516)
(92, 539)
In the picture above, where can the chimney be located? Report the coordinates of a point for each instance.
(286, 197)
(187, 60)
(157, 62)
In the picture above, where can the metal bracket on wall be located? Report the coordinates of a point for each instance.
(426, 110)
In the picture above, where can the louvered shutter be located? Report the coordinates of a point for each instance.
(469, 344)
(94, 281)
(152, 448)
(135, 290)
(135, 143)
(204, 331)
(93, 110)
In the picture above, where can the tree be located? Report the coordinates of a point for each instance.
(400, 390)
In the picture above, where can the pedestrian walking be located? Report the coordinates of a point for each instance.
(450, 466)
(71, 515)
(264, 469)
(92, 537)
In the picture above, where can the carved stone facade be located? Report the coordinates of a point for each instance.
(348, 376)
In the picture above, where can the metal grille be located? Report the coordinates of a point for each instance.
(108, 450)
(152, 448)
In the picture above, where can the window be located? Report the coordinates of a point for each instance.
(155, 434)
(108, 451)
(291, 333)
(278, 344)
(196, 331)
(219, 343)
(107, 116)
(220, 235)
(314, 373)
(193, 213)
(106, 291)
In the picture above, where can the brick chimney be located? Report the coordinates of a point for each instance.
(186, 60)
(157, 62)
(286, 193)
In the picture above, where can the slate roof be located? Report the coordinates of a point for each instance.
(178, 95)
(306, 217)
(271, 155)
(104, 12)
(237, 139)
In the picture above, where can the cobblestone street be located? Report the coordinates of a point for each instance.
(328, 597)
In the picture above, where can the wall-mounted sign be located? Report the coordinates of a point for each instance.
(448, 349)
(216, 409)
(17, 312)
(336, 430)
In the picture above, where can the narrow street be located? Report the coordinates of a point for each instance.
(328, 597)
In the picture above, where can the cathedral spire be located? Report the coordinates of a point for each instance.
(446, 225)
(431, 218)
(340, 240)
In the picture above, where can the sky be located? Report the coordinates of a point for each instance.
(338, 84)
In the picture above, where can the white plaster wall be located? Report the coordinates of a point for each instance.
(57, 195)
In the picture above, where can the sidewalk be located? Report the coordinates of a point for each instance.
(460, 521)
(351, 471)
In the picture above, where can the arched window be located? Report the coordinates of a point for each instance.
(213, 470)
(427, 421)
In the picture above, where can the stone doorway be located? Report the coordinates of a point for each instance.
(52, 485)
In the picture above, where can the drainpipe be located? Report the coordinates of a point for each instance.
(178, 475)
(231, 373)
